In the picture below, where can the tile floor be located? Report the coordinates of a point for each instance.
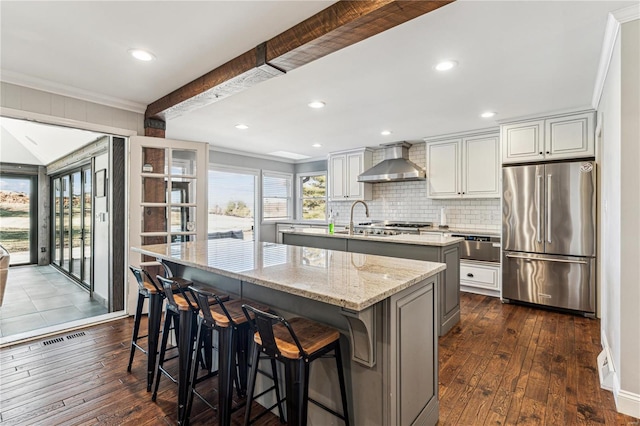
(41, 296)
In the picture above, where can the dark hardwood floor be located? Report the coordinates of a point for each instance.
(504, 364)
(509, 364)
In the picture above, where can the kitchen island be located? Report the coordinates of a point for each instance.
(385, 309)
(431, 247)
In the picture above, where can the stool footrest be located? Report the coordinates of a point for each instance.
(324, 407)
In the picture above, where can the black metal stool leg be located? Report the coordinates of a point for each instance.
(274, 373)
(166, 329)
(343, 387)
(253, 373)
(194, 371)
(242, 342)
(155, 316)
(136, 329)
(227, 351)
(297, 381)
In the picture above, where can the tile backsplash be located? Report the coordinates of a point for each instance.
(407, 201)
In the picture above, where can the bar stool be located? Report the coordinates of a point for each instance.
(296, 343)
(181, 313)
(148, 289)
(233, 327)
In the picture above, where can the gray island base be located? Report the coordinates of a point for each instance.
(385, 309)
(433, 248)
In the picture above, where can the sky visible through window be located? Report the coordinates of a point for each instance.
(15, 185)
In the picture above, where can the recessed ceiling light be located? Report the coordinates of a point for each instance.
(241, 126)
(316, 145)
(142, 55)
(446, 65)
(316, 104)
(385, 132)
(487, 114)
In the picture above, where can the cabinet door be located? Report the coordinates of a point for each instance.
(481, 167)
(443, 169)
(337, 168)
(523, 142)
(353, 188)
(570, 137)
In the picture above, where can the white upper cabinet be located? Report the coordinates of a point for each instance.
(464, 167)
(551, 138)
(344, 168)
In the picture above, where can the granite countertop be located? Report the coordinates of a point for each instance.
(350, 280)
(423, 240)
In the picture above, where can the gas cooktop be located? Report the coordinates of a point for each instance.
(388, 227)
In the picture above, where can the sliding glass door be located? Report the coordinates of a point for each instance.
(72, 195)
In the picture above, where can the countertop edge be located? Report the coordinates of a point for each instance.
(355, 306)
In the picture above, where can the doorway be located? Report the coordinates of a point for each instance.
(19, 217)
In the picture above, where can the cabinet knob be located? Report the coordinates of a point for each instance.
(458, 193)
(540, 152)
(470, 275)
(548, 152)
(462, 192)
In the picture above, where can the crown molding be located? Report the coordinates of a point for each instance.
(36, 83)
(614, 20)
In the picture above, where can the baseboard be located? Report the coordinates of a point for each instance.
(626, 402)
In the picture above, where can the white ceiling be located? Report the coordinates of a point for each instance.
(515, 57)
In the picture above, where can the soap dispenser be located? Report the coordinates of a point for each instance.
(331, 222)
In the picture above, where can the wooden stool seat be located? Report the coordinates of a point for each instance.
(312, 335)
(234, 308)
(296, 343)
(185, 305)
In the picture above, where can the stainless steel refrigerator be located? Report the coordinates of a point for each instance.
(549, 234)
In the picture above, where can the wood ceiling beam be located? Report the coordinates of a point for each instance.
(340, 25)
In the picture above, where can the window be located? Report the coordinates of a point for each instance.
(312, 188)
(232, 202)
(276, 196)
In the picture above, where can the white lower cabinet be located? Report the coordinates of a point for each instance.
(480, 277)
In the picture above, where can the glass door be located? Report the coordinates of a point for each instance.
(75, 212)
(57, 221)
(87, 216)
(72, 220)
(18, 218)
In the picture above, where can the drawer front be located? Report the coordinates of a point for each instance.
(479, 276)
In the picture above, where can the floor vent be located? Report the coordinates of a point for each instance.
(52, 341)
(73, 336)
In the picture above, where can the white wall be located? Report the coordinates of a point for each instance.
(407, 201)
(101, 219)
(619, 153)
(630, 211)
(67, 110)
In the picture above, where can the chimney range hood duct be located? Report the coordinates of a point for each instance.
(395, 167)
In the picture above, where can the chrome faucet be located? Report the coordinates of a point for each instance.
(351, 218)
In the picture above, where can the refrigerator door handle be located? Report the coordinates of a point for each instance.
(549, 208)
(539, 201)
(546, 259)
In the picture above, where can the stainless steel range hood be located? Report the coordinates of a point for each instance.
(395, 167)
